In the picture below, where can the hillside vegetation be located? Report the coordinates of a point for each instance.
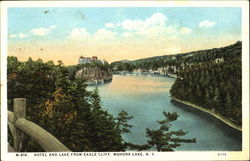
(60, 103)
(63, 106)
(214, 81)
(209, 78)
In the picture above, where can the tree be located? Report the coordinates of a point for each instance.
(62, 106)
(163, 139)
(102, 127)
(215, 86)
(228, 104)
(121, 122)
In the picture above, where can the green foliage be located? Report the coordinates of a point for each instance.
(123, 66)
(174, 63)
(121, 122)
(163, 139)
(214, 85)
(99, 65)
(61, 105)
(209, 78)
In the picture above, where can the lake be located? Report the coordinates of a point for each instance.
(146, 96)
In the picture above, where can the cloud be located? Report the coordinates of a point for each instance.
(12, 36)
(79, 33)
(110, 25)
(52, 27)
(171, 29)
(153, 32)
(22, 35)
(42, 31)
(98, 36)
(185, 30)
(154, 28)
(118, 24)
(131, 25)
(127, 34)
(206, 24)
(157, 19)
(103, 34)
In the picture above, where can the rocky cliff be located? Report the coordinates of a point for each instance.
(94, 75)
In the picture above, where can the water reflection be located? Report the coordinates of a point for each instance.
(138, 85)
(146, 96)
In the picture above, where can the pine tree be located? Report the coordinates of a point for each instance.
(121, 122)
(228, 105)
(165, 140)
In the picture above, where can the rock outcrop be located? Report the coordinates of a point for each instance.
(94, 75)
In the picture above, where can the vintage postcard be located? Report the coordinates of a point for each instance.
(125, 80)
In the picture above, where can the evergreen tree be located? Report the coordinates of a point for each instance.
(62, 106)
(215, 81)
(165, 140)
(121, 122)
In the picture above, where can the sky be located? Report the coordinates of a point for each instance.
(118, 33)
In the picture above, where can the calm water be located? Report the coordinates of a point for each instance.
(146, 96)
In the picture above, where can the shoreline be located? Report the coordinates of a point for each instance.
(221, 118)
(152, 73)
(99, 81)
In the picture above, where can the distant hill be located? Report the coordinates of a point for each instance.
(209, 78)
(212, 79)
(123, 61)
(177, 61)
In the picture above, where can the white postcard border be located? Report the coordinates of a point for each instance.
(216, 155)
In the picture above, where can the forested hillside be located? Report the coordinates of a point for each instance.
(173, 63)
(214, 81)
(209, 78)
(60, 103)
